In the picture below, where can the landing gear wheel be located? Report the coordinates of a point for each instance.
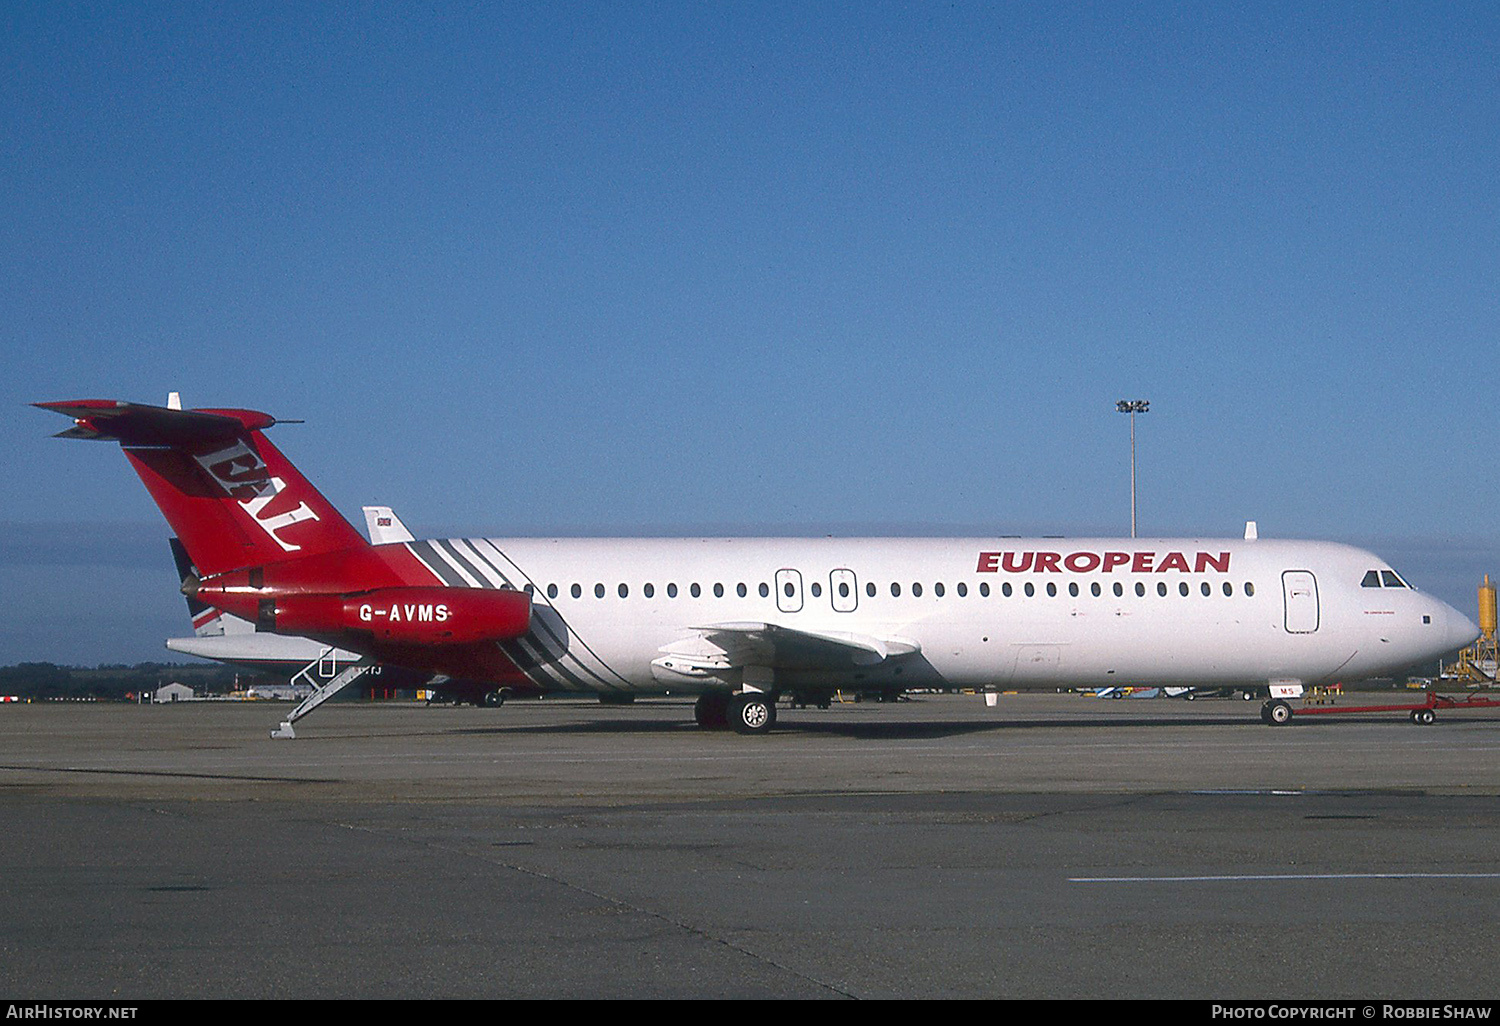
(753, 713)
(1423, 717)
(1278, 714)
(712, 710)
(494, 699)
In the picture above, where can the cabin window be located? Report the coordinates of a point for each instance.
(1030, 589)
(1095, 589)
(1182, 589)
(1207, 589)
(963, 590)
(765, 591)
(552, 591)
(870, 588)
(916, 590)
(1161, 588)
(895, 590)
(598, 591)
(576, 591)
(1051, 590)
(648, 590)
(671, 591)
(817, 590)
(1073, 590)
(1119, 589)
(843, 589)
(1140, 590)
(937, 589)
(1228, 590)
(1249, 588)
(624, 591)
(984, 589)
(740, 590)
(695, 591)
(718, 591)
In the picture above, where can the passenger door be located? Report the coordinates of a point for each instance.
(1300, 588)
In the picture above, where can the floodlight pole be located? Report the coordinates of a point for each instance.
(1133, 407)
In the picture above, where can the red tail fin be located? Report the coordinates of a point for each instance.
(229, 494)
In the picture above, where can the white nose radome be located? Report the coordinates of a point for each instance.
(1459, 630)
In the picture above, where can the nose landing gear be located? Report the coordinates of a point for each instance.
(1277, 713)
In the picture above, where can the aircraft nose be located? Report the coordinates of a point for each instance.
(1459, 630)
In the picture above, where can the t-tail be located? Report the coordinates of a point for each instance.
(269, 548)
(230, 495)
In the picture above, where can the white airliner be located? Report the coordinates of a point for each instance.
(741, 621)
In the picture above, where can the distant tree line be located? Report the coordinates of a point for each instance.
(118, 683)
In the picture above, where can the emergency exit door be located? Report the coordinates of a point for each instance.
(788, 591)
(843, 590)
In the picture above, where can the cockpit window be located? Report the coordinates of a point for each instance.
(1382, 579)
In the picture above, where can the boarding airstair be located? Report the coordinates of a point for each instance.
(321, 693)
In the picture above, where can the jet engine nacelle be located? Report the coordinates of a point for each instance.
(415, 616)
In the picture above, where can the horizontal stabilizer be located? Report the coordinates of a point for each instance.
(110, 420)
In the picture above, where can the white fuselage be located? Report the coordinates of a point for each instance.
(955, 612)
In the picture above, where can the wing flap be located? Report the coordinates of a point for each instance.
(723, 647)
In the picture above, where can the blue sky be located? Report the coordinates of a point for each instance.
(754, 268)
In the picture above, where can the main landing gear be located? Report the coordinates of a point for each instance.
(752, 712)
(712, 710)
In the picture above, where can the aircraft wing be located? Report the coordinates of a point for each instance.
(732, 646)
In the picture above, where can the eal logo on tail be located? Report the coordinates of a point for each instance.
(243, 474)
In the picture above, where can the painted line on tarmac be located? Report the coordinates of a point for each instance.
(1262, 877)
